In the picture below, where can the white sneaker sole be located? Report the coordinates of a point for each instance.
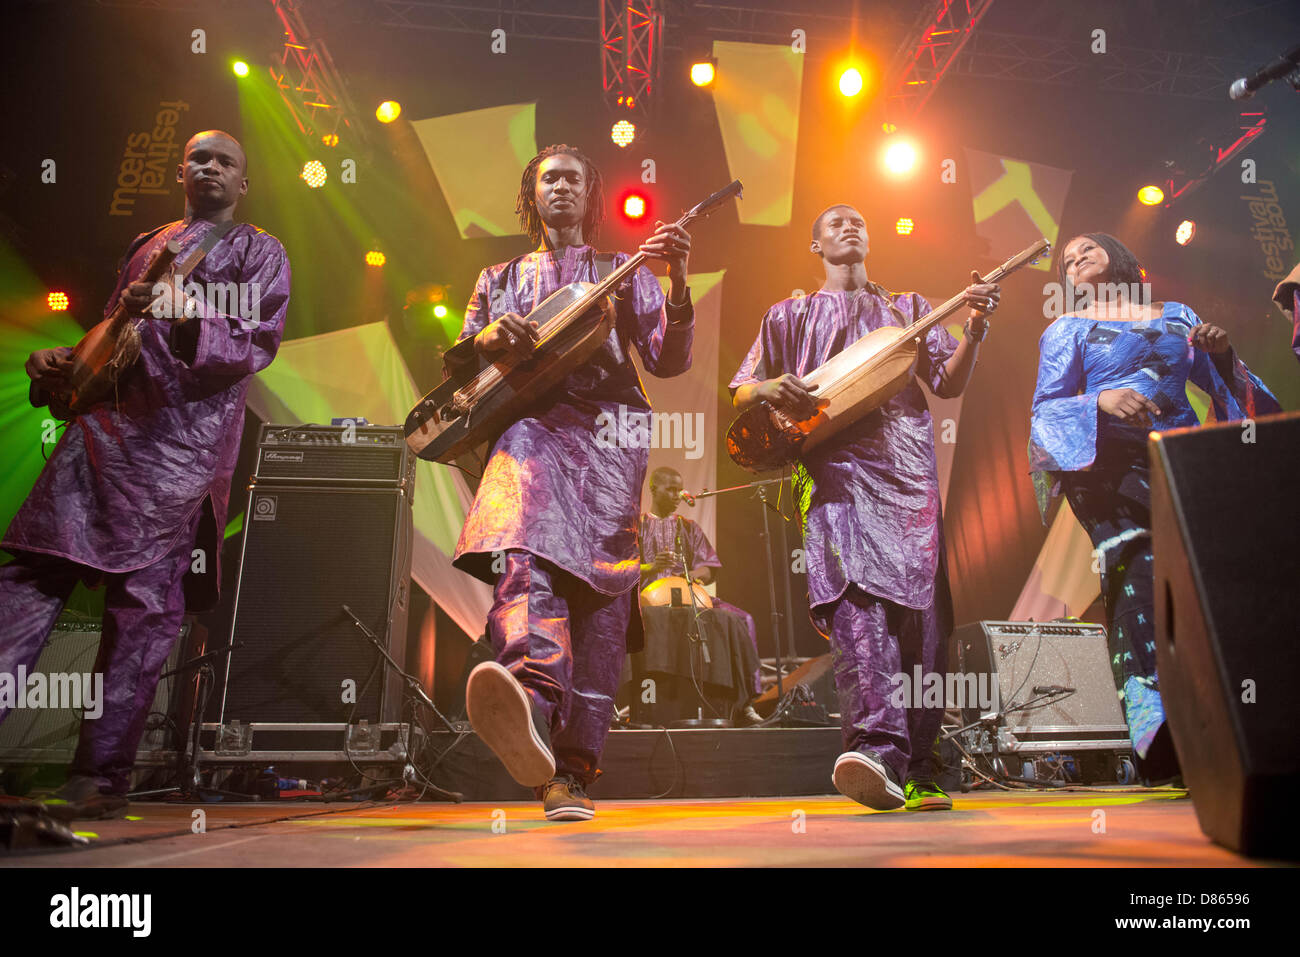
(859, 779)
(500, 712)
(570, 814)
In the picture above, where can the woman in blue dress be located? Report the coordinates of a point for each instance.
(1109, 373)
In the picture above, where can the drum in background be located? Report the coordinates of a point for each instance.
(673, 591)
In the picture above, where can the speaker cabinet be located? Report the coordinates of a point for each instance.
(1225, 512)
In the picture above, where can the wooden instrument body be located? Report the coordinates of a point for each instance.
(440, 429)
(763, 438)
(105, 352)
(659, 594)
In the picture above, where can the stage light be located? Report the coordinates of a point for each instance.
(622, 133)
(1185, 233)
(313, 173)
(888, 127)
(904, 226)
(330, 139)
(375, 258)
(57, 301)
(440, 311)
(1142, 273)
(635, 207)
(1151, 196)
(900, 157)
(388, 111)
(702, 73)
(240, 68)
(850, 82)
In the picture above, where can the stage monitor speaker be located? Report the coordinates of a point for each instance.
(47, 735)
(1225, 510)
(1001, 662)
(307, 552)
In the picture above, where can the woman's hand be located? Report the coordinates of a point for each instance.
(1129, 406)
(1210, 339)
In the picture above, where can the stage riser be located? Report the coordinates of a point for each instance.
(733, 762)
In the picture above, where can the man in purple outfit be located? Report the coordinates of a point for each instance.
(554, 523)
(869, 499)
(138, 482)
(661, 551)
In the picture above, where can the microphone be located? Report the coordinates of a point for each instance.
(687, 497)
(1245, 87)
(1052, 689)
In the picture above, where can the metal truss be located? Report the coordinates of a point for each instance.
(1040, 59)
(631, 34)
(1226, 146)
(308, 81)
(928, 52)
(526, 19)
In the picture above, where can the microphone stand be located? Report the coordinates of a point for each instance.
(760, 488)
(416, 692)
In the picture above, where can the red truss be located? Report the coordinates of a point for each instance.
(308, 81)
(932, 46)
(631, 33)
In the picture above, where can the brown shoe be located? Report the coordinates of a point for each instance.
(504, 717)
(565, 799)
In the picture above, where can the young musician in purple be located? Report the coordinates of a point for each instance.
(869, 498)
(1109, 373)
(138, 482)
(661, 551)
(554, 523)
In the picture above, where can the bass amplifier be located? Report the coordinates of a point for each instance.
(48, 734)
(363, 456)
(1000, 663)
(328, 524)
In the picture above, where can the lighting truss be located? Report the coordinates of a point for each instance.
(631, 34)
(929, 51)
(308, 81)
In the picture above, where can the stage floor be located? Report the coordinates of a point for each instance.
(1142, 828)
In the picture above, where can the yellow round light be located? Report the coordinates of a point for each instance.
(851, 82)
(1185, 232)
(375, 258)
(57, 301)
(313, 174)
(388, 111)
(702, 74)
(904, 226)
(240, 68)
(440, 311)
(1151, 196)
(622, 133)
(900, 157)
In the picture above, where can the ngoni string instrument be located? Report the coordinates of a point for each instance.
(113, 344)
(573, 322)
(850, 384)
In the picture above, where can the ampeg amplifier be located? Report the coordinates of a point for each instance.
(354, 455)
(1000, 663)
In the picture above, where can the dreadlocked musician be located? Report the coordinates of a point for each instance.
(554, 524)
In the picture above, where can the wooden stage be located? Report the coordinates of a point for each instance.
(1061, 828)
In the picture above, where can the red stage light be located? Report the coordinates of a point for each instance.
(635, 207)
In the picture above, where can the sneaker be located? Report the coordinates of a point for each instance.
(862, 776)
(80, 799)
(565, 799)
(505, 717)
(926, 796)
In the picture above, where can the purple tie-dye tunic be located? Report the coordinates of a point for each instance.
(659, 534)
(870, 495)
(123, 482)
(564, 483)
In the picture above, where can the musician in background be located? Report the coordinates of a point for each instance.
(664, 534)
(137, 483)
(554, 524)
(1287, 297)
(869, 499)
(1109, 374)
